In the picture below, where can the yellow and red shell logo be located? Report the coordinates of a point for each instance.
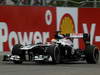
(67, 24)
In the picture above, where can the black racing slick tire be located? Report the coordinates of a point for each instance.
(92, 54)
(16, 51)
(54, 52)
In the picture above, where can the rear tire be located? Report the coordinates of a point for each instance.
(54, 52)
(92, 54)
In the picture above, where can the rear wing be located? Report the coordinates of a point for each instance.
(77, 35)
(84, 36)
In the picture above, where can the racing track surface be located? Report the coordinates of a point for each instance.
(79, 68)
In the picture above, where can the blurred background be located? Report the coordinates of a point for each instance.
(63, 3)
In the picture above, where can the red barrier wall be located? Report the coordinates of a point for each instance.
(26, 24)
(89, 22)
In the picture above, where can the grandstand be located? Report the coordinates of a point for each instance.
(64, 3)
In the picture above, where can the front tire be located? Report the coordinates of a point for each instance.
(92, 54)
(16, 51)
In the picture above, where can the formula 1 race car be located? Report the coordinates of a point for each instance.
(59, 49)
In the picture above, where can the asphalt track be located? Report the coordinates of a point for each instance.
(76, 68)
(30, 68)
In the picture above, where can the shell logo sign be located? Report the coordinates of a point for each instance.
(67, 20)
(67, 24)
